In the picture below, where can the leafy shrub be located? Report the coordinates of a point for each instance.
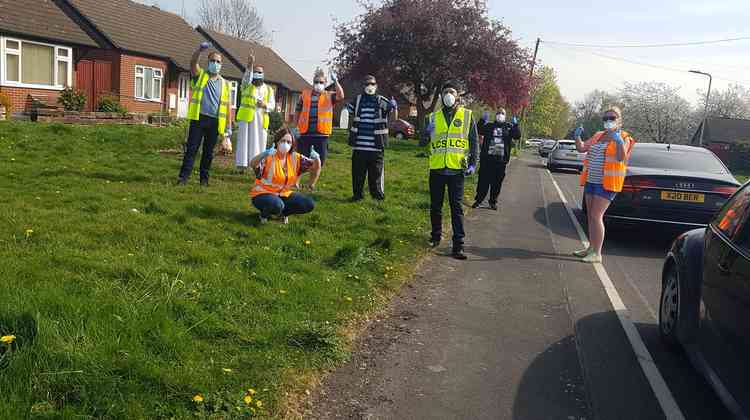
(5, 102)
(72, 99)
(276, 121)
(111, 103)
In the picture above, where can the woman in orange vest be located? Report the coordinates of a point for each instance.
(315, 115)
(277, 175)
(603, 175)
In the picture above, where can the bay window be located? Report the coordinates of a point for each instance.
(35, 64)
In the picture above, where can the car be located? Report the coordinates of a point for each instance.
(704, 307)
(545, 147)
(401, 129)
(533, 142)
(675, 185)
(565, 155)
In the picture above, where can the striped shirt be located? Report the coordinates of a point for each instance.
(596, 157)
(373, 112)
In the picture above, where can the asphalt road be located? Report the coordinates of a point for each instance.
(521, 330)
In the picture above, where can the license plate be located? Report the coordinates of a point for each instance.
(572, 155)
(683, 196)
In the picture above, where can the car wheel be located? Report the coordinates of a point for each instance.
(669, 309)
(400, 135)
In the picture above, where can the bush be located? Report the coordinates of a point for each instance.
(72, 99)
(111, 103)
(276, 121)
(5, 102)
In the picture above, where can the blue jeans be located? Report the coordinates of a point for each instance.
(273, 205)
(598, 190)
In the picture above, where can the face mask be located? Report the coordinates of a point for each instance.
(449, 100)
(319, 87)
(500, 118)
(610, 125)
(258, 76)
(370, 89)
(284, 148)
(214, 67)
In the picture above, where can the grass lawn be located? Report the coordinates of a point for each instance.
(129, 297)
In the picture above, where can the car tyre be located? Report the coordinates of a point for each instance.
(670, 310)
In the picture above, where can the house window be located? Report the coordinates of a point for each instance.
(148, 83)
(233, 94)
(35, 64)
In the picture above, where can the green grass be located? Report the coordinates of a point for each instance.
(129, 296)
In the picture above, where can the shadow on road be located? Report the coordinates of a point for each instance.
(496, 254)
(540, 215)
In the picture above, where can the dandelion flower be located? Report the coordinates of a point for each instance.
(307, 242)
(283, 292)
(227, 370)
(7, 339)
(29, 232)
(251, 391)
(259, 403)
(248, 399)
(348, 299)
(12, 159)
(198, 398)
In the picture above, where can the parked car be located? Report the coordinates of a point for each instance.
(565, 155)
(533, 142)
(545, 147)
(672, 184)
(705, 301)
(401, 129)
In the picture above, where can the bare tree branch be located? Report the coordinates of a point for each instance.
(237, 18)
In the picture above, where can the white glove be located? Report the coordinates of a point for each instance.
(313, 154)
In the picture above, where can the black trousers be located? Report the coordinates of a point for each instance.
(491, 176)
(368, 165)
(455, 185)
(206, 131)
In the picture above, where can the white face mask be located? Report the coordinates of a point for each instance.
(258, 75)
(319, 87)
(284, 148)
(370, 90)
(449, 100)
(500, 118)
(610, 125)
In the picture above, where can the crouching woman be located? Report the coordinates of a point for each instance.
(277, 175)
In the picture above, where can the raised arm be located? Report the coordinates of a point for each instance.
(195, 68)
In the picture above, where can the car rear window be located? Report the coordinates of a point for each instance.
(566, 146)
(677, 160)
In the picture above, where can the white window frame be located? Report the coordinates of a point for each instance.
(142, 77)
(233, 90)
(57, 58)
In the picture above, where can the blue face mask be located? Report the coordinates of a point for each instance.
(214, 67)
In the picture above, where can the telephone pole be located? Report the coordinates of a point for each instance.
(531, 78)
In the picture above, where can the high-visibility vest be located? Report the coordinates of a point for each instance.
(273, 180)
(248, 104)
(325, 113)
(450, 141)
(197, 84)
(614, 170)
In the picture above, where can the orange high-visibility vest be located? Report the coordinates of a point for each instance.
(614, 170)
(325, 113)
(273, 180)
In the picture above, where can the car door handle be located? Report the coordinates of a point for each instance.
(723, 268)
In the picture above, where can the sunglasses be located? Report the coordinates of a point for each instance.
(609, 118)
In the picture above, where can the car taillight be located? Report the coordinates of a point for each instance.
(636, 185)
(725, 190)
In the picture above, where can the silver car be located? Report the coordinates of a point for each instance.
(565, 155)
(545, 147)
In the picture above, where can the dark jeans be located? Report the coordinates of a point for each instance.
(491, 176)
(204, 130)
(367, 165)
(455, 184)
(306, 142)
(273, 205)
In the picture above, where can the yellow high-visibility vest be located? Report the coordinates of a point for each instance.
(248, 104)
(450, 140)
(197, 85)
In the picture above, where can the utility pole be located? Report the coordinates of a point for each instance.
(531, 78)
(705, 111)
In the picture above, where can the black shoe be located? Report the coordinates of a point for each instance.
(434, 243)
(493, 207)
(458, 254)
(356, 199)
(204, 183)
(476, 205)
(181, 181)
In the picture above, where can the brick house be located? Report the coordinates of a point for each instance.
(146, 59)
(287, 83)
(39, 50)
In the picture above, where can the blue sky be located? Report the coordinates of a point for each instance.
(304, 34)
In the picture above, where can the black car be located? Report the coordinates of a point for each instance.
(705, 301)
(671, 184)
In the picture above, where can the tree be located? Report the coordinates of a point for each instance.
(549, 113)
(414, 47)
(238, 18)
(655, 112)
(734, 102)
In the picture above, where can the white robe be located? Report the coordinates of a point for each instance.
(252, 138)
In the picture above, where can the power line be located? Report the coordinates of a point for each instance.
(676, 44)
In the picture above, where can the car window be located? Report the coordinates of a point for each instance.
(678, 160)
(733, 216)
(566, 146)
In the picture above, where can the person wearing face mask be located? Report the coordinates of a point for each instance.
(253, 119)
(278, 170)
(603, 175)
(209, 107)
(315, 115)
(496, 146)
(452, 136)
(368, 137)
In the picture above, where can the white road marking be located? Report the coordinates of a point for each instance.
(650, 370)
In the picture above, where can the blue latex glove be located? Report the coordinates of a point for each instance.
(485, 115)
(578, 133)
(471, 170)
(313, 154)
(205, 46)
(514, 120)
(617, 137)
(393, 102)
(270, 151)
(332, 76)
(431, 127)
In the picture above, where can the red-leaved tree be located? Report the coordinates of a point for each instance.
(414, 47)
